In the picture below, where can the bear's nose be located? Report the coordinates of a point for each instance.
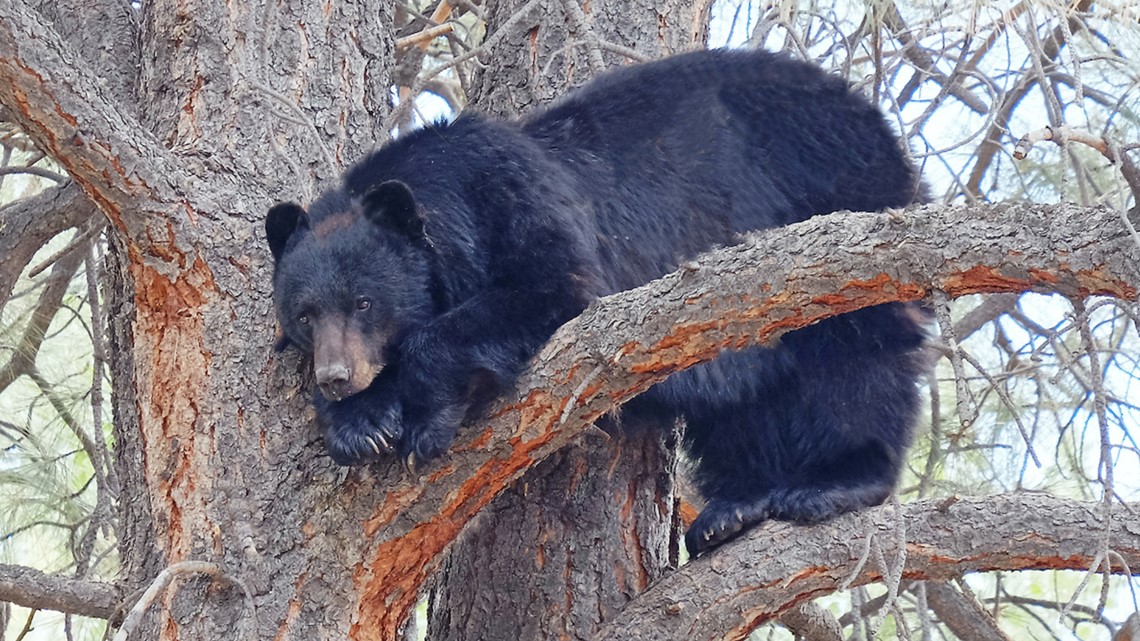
(333, 380)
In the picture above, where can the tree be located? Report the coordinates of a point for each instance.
(177, 124)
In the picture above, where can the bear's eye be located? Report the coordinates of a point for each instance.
(363, 304)
(303, 319)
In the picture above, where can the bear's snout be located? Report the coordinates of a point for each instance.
(333, 379)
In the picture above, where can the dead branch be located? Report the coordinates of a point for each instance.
(23, 359)
(811, 622)
(423, 38)
(991, 142)
(30, 222)
(1064, 134)
(163, 580)
(34, 589)
(963, 615)
(507, 28)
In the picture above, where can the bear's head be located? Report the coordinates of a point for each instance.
(350, 276)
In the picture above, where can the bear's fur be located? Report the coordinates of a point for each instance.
(448, 257)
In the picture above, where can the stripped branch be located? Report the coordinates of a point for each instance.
(1065, 134)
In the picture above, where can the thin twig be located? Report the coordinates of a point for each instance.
(506, 29)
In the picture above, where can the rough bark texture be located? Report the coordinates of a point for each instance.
(566, 546)
(564, 43)
(28, 224)
(209, 470)
(962, 614)
(34, 589)
(579, 535)
(751, 581)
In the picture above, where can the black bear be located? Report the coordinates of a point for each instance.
(448, 257)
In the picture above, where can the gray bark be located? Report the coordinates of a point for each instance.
(962, 614)
(27, 225)
(34, 589)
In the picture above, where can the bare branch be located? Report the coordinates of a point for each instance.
(753, 580)
(991, 143)
(23, 359)
(163, 580)
(423, 38)
(812, 622)
(962, 614)
(34, 589)
(1065, 134)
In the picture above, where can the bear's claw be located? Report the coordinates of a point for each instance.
(722, 520)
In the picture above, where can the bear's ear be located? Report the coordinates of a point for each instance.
(283, 220)
(391, 205)
(281, 342)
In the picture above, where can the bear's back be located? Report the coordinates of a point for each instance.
(685, 154)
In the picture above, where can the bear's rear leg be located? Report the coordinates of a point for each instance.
(724, 519)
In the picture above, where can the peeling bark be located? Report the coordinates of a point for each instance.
(740, 296)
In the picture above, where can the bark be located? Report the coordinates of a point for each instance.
(574, 539)
(961, 614)
(36, 590)
(777, 282)
(569, 41)
(566, 546)
(749, 582)
(103, 33)
(812, 622)
(209, 471)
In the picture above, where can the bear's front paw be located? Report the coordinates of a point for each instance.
(357, 431)
(722, 520)
(428, 433)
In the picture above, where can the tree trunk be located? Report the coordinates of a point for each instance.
(215, 444)
(590, 528)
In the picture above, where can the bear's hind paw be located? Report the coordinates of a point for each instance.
(722, 520)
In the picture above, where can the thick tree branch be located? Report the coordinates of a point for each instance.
(60, 103)
(736, 297)
(34, 589)
(962, 614)
(812, 622)
(27, 224)
(747, 583)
